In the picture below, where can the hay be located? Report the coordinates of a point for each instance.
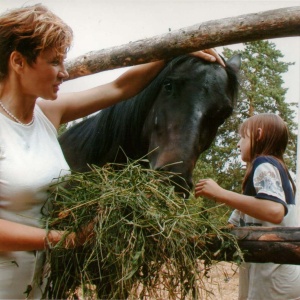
(147, 239)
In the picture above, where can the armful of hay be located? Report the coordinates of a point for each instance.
(144, 235)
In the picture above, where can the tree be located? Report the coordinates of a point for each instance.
(261, 91)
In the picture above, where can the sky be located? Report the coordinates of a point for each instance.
(101, 24)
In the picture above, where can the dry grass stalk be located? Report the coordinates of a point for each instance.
(147, 239)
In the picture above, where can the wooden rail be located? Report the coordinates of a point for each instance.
(279, 245)
(284, 22)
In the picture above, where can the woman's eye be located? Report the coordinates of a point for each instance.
(57, 61)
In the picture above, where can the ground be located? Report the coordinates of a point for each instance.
(222, 284)
(223, 281)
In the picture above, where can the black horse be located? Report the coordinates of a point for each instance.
(171, 122)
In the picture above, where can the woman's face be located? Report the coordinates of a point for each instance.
(43, 77)
(244, 146)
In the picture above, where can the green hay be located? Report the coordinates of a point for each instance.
(147, 239)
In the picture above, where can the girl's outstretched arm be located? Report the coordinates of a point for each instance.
(261, 209)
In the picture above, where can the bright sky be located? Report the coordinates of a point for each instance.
(100, 24)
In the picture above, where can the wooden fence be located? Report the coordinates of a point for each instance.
(260, 244)
(284, 22)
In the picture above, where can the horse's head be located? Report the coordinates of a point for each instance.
(173, 120)
(194, 100)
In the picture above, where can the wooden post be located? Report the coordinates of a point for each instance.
(280, 245)
(284, 22)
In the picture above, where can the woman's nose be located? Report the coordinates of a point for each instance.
(63, 73)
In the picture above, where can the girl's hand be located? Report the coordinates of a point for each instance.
(208, 188)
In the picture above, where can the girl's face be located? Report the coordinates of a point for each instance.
(43, 77)
(244, 146)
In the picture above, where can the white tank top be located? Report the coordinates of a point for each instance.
(30, 161)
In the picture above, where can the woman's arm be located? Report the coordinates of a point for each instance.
(19, 237)
(71, 106)
(80, 104)
(261, 209)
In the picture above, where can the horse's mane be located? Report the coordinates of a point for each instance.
(122, 123)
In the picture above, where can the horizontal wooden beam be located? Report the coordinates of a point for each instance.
(283, 22)
(280, 245)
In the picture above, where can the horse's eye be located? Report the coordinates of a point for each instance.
(168, 86)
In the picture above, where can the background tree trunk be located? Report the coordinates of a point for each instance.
(284, 22)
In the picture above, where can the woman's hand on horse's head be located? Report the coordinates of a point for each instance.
(210, 55)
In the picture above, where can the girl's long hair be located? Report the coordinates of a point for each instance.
(269, 136)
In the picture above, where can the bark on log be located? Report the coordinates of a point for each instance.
(284, 22)
(279, 245)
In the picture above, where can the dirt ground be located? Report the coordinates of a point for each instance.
(223, 282)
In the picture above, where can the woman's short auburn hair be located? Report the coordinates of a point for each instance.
(30, 30)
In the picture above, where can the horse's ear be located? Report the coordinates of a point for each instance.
(235, 62)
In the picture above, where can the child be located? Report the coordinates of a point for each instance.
(268, 199)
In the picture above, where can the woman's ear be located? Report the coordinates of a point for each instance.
(259, 134)
(17, 61)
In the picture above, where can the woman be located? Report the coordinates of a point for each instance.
(268, 199)
(33, 46)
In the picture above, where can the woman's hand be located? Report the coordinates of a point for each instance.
(80, 238)
(210, 55)
(70, 240)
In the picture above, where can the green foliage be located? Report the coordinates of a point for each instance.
(62, 129)
(261, 91)
(65, 126)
